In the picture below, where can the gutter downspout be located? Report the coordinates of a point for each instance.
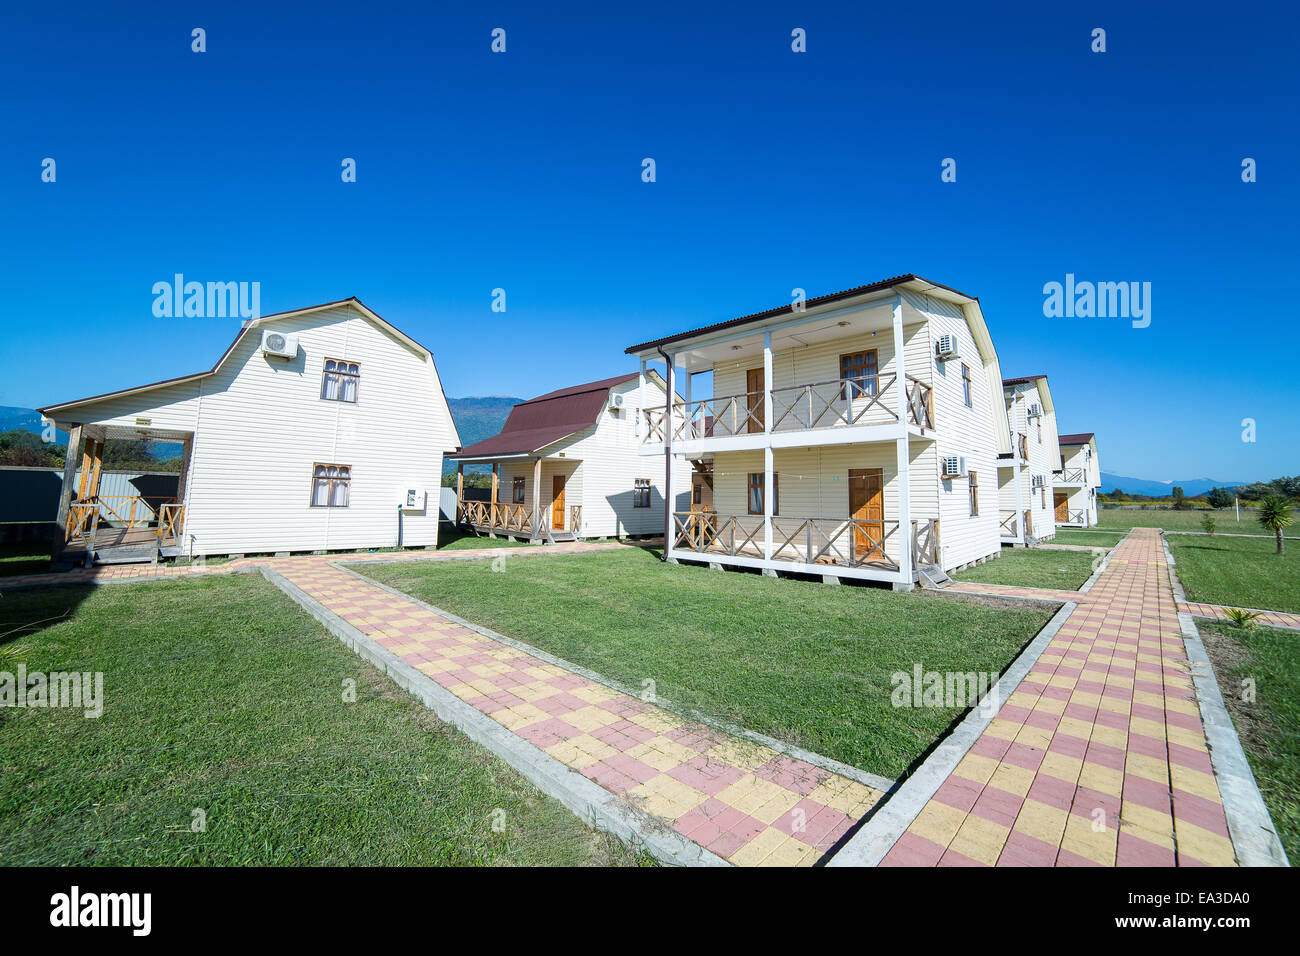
(668, 452)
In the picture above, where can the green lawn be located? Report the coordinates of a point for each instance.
(222, 695)
(1091, 537)
(1171, 520)
(459, 540)
(1267, 726)
(1034, 568)
(800, 661)
(1245, 572)
(26, 558)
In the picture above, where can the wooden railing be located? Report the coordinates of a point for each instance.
(849, 542)
(508, 516)
(171, 520)
(128, 511)
(925, 542)
(1070, 476)
(920, 403)
(722, 415)
(1072, 516)
(575, 519)
(1009, 528)
(838, 402)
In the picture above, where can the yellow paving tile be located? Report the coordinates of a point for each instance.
(761, 799)
(1209, 848)
(937, 822)
(981, 840)
(741, 754)
(665, 797)
(590, 718)
(1042, 822)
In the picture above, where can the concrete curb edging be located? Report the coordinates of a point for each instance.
(878, 835)
(1105, 563)
(1254, 836)
(589, 801)
(875, 781)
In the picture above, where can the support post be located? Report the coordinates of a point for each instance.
(641, 423)
(496, 480)
(97, 462)
(537, 500)
(906, 540)
(460, 492)
(769, 491)
(69, 473)
(670, 361)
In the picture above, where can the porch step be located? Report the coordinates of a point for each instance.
(934, 577)
(560, 537)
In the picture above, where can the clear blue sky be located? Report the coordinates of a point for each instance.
(775, 170)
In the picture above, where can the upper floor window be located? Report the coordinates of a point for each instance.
(641, 493)
(858, 372)
(517, 491)
(340, 381)
(330, 485)
(965, 385)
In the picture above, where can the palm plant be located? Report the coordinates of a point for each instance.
(1240, 617)
(1275, 514)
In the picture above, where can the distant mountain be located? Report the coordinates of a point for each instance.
(1160, 489)
(482, 417)
(25, 419)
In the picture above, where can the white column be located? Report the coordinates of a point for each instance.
(690, 413)
(640, 403)
(901, 453)
(769, 491)
(1020, 504)
(669, 504)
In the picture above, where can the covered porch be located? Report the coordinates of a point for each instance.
(97, 528)
(538, 498)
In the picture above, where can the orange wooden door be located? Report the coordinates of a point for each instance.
(557, 502)
(867, 508)
(1062, 506)
(753, 401)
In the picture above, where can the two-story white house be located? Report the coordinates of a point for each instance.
(1027, 509)
(852, 435)
(318, 429)
(1075, 483)
(566, 465)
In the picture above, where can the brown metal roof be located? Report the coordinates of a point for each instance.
(789, 308)
(1080, 439)
(546, 419)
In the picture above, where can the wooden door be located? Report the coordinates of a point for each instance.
(1062, 506)
(557, 502)
(867, 507)
(754, 402)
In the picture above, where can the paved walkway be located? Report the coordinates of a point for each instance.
(744, 802)
(1099, 758)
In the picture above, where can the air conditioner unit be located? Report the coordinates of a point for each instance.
(1035, 410)
(954, 465)
(946, 348)
(279, 344)
(616, 402)
(1036, 481)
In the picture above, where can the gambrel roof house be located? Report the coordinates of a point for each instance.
(1076, 481)
(1025, 483)
(318, 429)
(574, 452)
(852, 435)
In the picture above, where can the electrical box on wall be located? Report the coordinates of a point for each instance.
(413, 499)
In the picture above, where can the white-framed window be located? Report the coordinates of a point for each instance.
(330, 485)
(641, 493)
(339, 381)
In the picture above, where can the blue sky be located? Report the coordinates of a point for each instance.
(522, 171)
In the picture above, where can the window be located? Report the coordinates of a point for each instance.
(755, 495)
(697, 494)
(974, 494)
(330, 485)
(965, 385)
(339, 383)
(641, 493)
(517, 491)
(858, 373)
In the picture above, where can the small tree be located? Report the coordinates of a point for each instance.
(1179, 501)
(1207, 522)
(1275, 514)
(1219, 498)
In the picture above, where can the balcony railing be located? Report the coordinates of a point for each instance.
(1070, 476)
(1072, 516)
(838, 403)
(847, 542)
(1009, 527)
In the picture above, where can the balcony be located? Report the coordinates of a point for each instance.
(840, 403)
(1069, 476)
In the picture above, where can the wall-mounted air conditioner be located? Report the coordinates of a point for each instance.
(954, 466)
(1036, 481)
(616, 401)
(279, 344)
(945, 347)
(1035, 410)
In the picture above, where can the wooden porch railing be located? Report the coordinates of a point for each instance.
(849, 542)
(838, 402)
(721, 415)
(925, 542)
(575, 519)
(920, 403)
(1008, 528)
(171, 520)
(1070, 476)
(130, 511)
(1072, 516)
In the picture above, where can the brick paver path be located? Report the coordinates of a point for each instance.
(744, 802)
(1099, 757)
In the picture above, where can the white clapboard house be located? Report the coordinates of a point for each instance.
(319, 429)
(1028, 512)
(1075, 483)
(853, 435)
(566, 465)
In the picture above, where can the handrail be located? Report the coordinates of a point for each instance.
(1071, 476)
(920, 403)
(1011, 530)
(851, 542)
(575, 519)
(836, 402)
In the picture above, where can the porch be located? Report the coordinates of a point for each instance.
(530, 513)
(117, 528)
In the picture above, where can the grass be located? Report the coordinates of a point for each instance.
(1171, 520)
(454, 539)
(1243, 572)
(25, 558)
(1271, 658)
(222, 695)
(1034, 568)
(1090, 537)
(800, 661)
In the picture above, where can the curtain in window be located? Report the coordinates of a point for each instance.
(339, 488)
(349, 382)
(320, 487)
(330, 388)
